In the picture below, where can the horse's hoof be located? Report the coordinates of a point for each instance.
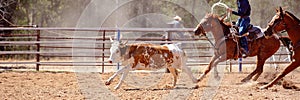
(196, 87)
(200, 79)
(263, 87)
(245, 80)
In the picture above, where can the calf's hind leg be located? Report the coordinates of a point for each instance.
(174, 72)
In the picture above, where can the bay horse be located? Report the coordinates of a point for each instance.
(284, 20)
(226, 47)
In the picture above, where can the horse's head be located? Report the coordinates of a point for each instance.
(207, 24)
(277, 23)
(211, 23)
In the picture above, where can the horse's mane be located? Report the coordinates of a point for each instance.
(225, 25)
(221, 20)
(293, 16)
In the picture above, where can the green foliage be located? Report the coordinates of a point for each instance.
(44, 13)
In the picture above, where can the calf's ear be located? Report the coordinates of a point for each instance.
(111, 40)
(125, 42)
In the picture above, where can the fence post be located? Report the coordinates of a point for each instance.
(118, 38)
(230, 64)
(103, 49)
(38, 50)
(168, 36)
(240, 64)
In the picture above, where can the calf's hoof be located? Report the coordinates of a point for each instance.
(107, 83)
(117, 87)
(169, 87)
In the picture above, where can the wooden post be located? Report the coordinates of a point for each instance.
(240, 64)
(38, 50)
(118, 38)
(103, 49)
(169, 36)
(230, 64)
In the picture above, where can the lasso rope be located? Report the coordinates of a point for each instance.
(221, 5)
(232, 29)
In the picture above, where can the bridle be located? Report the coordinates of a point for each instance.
(203, 33)
(281, 20)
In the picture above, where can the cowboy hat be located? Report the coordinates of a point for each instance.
(177, 18)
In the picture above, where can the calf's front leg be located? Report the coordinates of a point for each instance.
(125, 73)
(113, 76)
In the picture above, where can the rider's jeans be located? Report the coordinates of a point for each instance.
(243, 24)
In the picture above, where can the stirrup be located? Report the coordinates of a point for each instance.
(245, 53)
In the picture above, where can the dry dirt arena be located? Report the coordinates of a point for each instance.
(27, 85)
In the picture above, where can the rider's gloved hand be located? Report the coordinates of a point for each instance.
(229, 10)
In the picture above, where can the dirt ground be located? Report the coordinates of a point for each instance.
(67, 85)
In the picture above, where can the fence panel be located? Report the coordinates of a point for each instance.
(50, 43)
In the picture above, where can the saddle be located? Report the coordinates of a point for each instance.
(254, 33)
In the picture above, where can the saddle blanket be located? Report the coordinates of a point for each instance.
(257, 30)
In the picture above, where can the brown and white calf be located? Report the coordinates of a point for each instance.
(146, 56)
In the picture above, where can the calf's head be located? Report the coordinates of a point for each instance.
(116, 51)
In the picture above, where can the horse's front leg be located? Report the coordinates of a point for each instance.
(287, 70)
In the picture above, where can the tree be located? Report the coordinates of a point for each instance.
(6, 13)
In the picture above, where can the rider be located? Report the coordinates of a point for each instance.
(244, 10)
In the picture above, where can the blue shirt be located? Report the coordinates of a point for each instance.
(244, 8)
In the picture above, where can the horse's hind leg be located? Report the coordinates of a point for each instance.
(260, 69)
(188, 71)
(208, 68)
(287, 70)
(257, 72)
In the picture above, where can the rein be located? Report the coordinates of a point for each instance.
(211, 43)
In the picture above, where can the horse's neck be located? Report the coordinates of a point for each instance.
(219, 31)
(292, 28)
(218, 35)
